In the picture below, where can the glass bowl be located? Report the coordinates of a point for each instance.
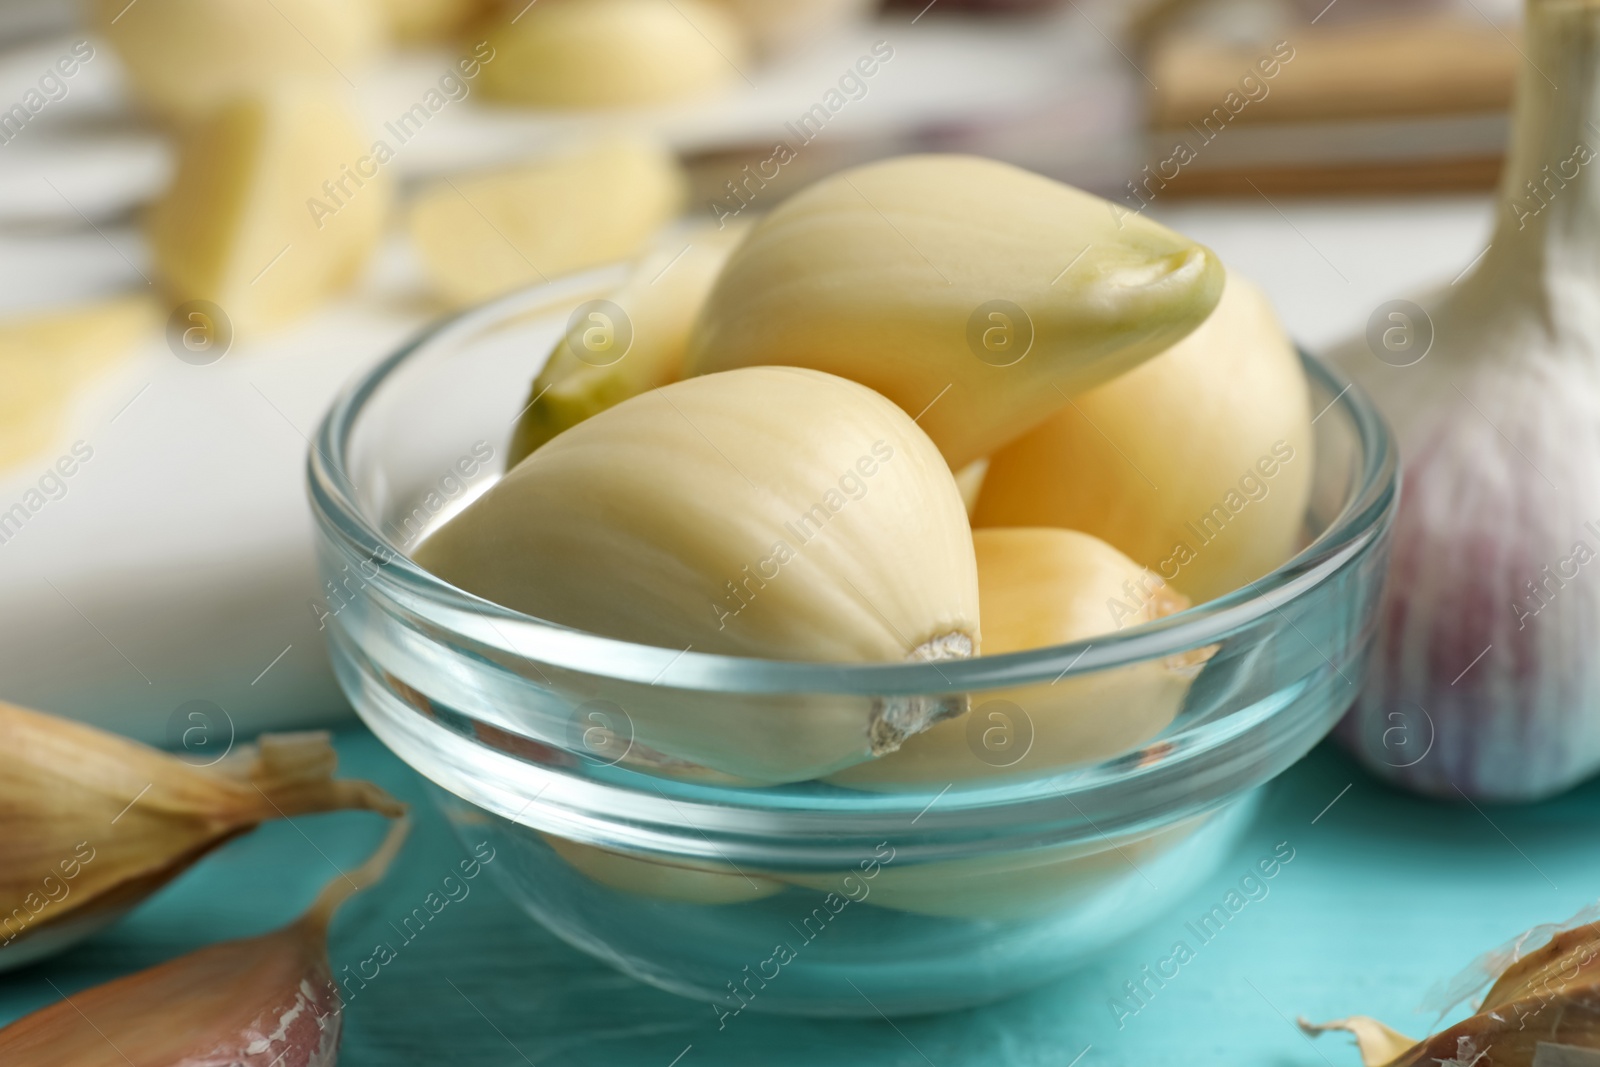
(629, 836)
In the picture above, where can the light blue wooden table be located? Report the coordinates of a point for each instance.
(1386, 894)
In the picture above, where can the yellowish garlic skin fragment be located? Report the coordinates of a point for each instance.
(601, 362)
(771, 512)
(1040, 587)
(186, 58)
(45, 357)
(91, 823)
(249, 222)
(1197, 464)
(594, 205)
(612, 53)
(712, 884)
(258, 1002)
(975, 295)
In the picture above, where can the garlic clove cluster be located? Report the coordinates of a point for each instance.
(1198, 463)
(633, 341)
(267, 1001)
(977, 296)
(1037, 588)
(91, 823)
(708, 884)
(595, 203)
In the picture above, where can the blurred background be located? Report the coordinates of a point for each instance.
(213, 213)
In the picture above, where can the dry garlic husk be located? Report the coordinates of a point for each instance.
(1197, 464)
(604, 359)
(185, 58)
(268, 1001)
(45, 357)
(772, 512)
(593, 204)
(268, 215)
(975, 295)
(1542, 1011)
(610, 53)
(1484, 679)
(1040, 587)
(92, 823)
(704, 884)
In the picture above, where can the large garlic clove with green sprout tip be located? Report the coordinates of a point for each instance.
(975, 295)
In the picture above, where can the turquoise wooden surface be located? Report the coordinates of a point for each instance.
(1386, 894)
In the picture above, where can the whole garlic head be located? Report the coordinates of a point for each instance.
(1485, 680)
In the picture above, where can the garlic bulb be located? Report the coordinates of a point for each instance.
(267, 216)
(1036, 588)
(975, 295)
(612, 53)
(1484, 681)
(593, 204)
(267, 1001)
(773, 512)
(630, 343)
(1197, 463)
(92, 823)
(185, 58)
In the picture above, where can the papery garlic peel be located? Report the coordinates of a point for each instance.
(1198, 464)
(187, 58)
(592, 204)
(265, 217)
(608, 53)
(599, 362)
(1484, 680)
(92, 823)
(975, 295)
(45, 357)
(1036, 588)
(1542, 1011)
(267, 1001)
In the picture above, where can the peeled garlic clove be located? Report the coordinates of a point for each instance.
(268, 1001)
(662, 881)
(45, 357)
(603, 360)
(608, 53)
(92, 823)
(185, 58)
(1036, 588)
(973, 294)
(969, 480)
(1197, 464)
(277, 203)
(772, 512)
(599, 203)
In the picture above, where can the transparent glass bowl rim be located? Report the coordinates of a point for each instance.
(334, 497)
